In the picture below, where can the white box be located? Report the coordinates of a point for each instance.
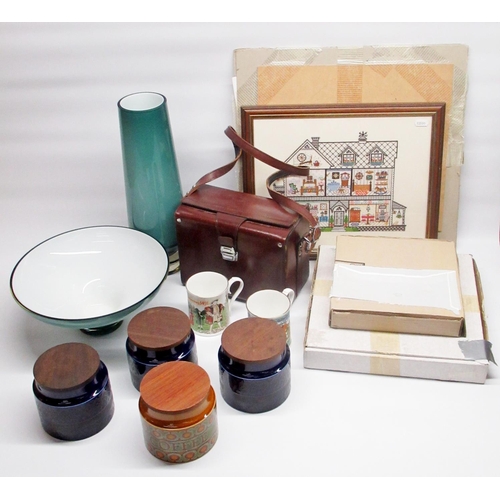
(462, 359)
(402, 285)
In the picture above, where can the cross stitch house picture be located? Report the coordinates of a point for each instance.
(350, 186)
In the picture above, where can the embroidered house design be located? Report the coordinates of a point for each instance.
(350, 186)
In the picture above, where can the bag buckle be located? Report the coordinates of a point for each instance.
(311, 237)
(229, 253)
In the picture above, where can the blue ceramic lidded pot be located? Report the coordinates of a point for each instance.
(158, 335)
(254, 365)
(72, 391)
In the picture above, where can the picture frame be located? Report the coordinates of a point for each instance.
(375, 169)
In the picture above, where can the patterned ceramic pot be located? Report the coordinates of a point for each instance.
(158, 335)
(178, 412)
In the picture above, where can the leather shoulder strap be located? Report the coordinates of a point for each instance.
(287, 202)
(219, 172)
(241, 145)
(283, 168)
(263, 157)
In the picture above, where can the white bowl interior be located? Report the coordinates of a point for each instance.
(89, 273)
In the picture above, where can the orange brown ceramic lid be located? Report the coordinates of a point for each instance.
(66, 366)
(159, 328)
(254, 340)
(175, 386)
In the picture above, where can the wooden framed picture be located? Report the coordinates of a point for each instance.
(374, 169)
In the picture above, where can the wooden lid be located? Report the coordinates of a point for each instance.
(175, 386)
(66, 366)
(256, 341)
(159, 328)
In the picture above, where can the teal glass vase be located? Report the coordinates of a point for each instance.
(152, 184)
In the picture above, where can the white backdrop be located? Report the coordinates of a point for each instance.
(61, 168)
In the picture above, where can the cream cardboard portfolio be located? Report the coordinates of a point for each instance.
(408, 285)
(461, 359)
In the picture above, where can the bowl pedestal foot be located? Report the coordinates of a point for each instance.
(102, 330)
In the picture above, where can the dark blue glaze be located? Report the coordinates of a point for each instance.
(76, 413)
(141, 361)
(254, 391)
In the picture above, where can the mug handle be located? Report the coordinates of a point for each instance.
(290, 294)
(238, 290)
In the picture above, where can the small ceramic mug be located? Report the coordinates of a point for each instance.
(272, 304)
(209, 301)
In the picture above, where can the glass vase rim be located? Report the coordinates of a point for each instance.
(160, 103)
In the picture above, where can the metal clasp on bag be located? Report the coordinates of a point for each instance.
(311, 237)
(229, 253)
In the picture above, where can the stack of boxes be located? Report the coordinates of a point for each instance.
(397, 306)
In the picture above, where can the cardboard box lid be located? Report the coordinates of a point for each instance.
(396, 284)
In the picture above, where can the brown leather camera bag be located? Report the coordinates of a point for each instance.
(265, 241)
